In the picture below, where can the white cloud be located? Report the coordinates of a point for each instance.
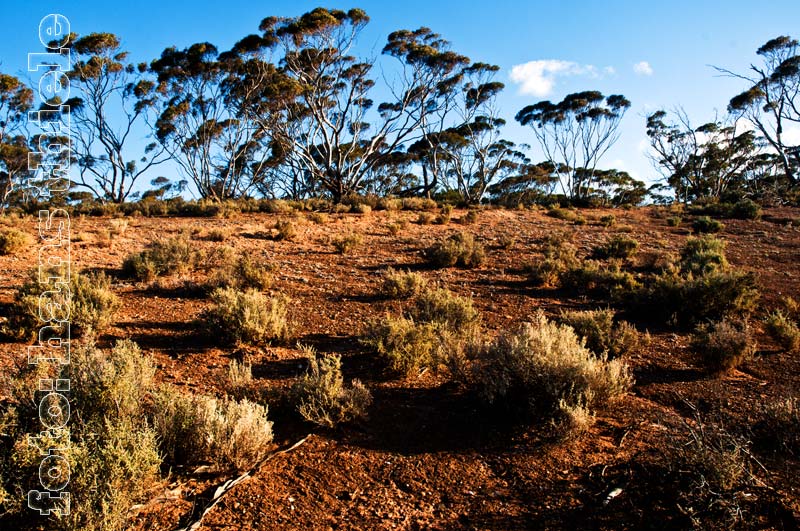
(643, 68)
(791, 135)
(538, 78)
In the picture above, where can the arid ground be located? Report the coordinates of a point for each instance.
(431, 456)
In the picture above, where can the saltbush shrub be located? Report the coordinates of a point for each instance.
(459, 249)
(246, 316)
(161, 257)
(443, 307)
(724, 345)
(746, 209)
(617, 246)
(348, 243)
(407, 345)
(702, 255)
(91, 304)
(322, 397)
(13, 241)
(601, 335)
(402, 285)
(705, 224)
(783, 330)
(286, 230)
(559, 256)
(543, 369)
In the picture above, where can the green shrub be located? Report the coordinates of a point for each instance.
(590, 277)
(318, 218)
(746, 209)
(232, 435)
(686, 301)
(13, 240)
(783, 330)
(321, 396)
(470, 218)
(617, 246)
(419, 203)
(111, 450)
(246, 316)
(401, 285)
(443, 218)
(91, 305)
(408, 346)
(563, 214)
(242, 273)
(559, 256)
(724, 345)
(601, 335)
(674, 221)
(161, 257)
(705, 224)
(240, 377)
(286, 230)
(389, 203)
(703, 255)
(457, 250)
(442, 307)
(425, 218)
(362, 208)
(395, 228)
(608, 220)
(347, 244)
(544, 369)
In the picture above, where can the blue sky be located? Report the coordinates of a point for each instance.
(591, 45)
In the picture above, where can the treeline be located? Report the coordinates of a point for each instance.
(289, 112)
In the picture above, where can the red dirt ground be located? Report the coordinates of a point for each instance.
(429, 456)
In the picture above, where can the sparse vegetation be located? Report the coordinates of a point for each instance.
(724, 345)
(402, 285)
(601, 334)
(321, 396)
(705, 224)
(162, 257)
(246, 316)
(12, 241)
(459, 249)
(542, 369)
(348, 243)
(617, 246)
(442, 307)
(287, 231)
(784, 331)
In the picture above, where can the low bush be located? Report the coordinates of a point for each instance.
(608, 220)
(783, 330)
(319, 218)
(242, 272)
(559, 256)
(564, 214)
(396, 227)
(419, 203)
(702, 255)
(286, 230)
(443, 307)
(362, 208)
(110, 448)
(425, 218)
(601, 335)
(321, 396)
(746, 209)
(217, 235)
(674, 221)
(348, 243)
(595, 279)
(90, 302)
(246, 316)
(443, 218)
(401, 285)
(617, 246)
(161, 257)
(543, 369)
(705, 224)
(456, 250)
(779, 428)
(408, 346)
(240, 377)
(12, 241)
(723, 345)
(470, 218)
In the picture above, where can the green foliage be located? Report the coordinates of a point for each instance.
(241, 273)
(232, 435)
(608, 220)
(407, 345)
(246, 316)
(559, 256)
(110, 447)
(674, 221)
(13, 241)
(705, 224)
(596, 279)
(618, 246)
(161, 257)
(348, 243)
(459, 249)
(419, 203)
(702, 255)
(321, 396)
(442, 307)
(402, 285)
(543, 369)
(784, 331)
(724, 345)
(90, 301)
(746, 209)
(601, 335)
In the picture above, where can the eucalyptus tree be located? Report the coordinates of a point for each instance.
(713, 160)
(772, 102)
(111, 99)
(575, 134)
(216, 115)
(333, 132)
(15, 101)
